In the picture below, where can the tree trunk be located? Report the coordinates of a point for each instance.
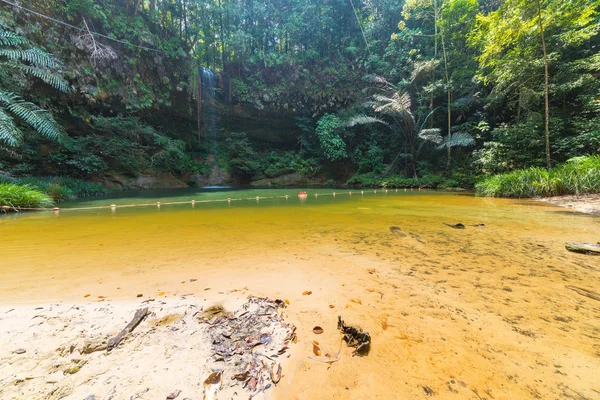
(449, 101)
(546, 85)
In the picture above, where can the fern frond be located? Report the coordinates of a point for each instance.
(35, 56)
(458, 139)
(11, 39)
(431, 135)
(363, 120)
(38, 118)
(51, 78)
(9, 133)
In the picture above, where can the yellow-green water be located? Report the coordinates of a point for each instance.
(482, 312)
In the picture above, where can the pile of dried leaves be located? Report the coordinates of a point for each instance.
(246, 345)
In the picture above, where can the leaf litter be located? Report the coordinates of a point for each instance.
(246, 343)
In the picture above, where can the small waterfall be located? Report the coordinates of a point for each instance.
(208, 112)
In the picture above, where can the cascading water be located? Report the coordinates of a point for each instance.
(208, 112)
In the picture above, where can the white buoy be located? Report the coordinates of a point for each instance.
(56, 210)
(350, 193)
(286, 196)
(386, 190)
(193, 202)
(362, 192)
(113, 208)
(375, 191)
(316, 194)
(158, 204)
(333, 194)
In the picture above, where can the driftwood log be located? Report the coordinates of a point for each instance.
(585, 292)
(585, 248)
(137, 318)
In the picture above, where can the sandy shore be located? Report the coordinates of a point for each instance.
(589, 203)
(58, 351)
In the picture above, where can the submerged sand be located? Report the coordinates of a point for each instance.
(479, 313)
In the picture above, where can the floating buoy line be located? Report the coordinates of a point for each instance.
(302, 196)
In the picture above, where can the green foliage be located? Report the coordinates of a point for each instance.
(241, 155)
(58, 188)
(22, 196)
(280, 163)
(580, 175)
(32, 61)
(330, 134)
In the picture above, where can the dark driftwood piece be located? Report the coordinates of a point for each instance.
(585, 292)
(585, 248)
(137, 318)
(455, 226)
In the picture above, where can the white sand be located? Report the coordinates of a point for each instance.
(170, 350)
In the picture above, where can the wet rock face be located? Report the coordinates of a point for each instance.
(154, 180)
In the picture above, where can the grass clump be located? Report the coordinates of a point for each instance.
(579, 175)
(59, 188)
(22, 196)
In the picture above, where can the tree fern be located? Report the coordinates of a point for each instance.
(49, 77)
(431, 135)
(9, 133)
(11, 39)
(458, 139)
(38, 118)
(363, 120)
(34, 56)
(17, 53)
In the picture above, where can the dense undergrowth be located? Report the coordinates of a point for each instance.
(579, 175)
(14, 196)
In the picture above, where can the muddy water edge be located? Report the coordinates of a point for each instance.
(480, 312)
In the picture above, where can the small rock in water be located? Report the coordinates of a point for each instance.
(193, 280)
(139, 295)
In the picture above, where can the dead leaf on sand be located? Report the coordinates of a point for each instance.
(317, 330)
(371, 270)
(275, 372)
(212, 385)
(316, 350)
(287, 301)
(331, 306)
(306, 293)
(87, 295)
(161, 293)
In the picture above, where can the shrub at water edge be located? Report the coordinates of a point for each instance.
(22, 196)
(579, 175)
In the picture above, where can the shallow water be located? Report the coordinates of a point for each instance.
(482, 312)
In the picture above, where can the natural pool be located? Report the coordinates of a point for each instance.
(482, 312)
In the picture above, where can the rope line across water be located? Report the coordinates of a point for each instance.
(193, 202)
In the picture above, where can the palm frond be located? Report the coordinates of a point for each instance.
(38, 118)
(35, 56)
(9, 133)
(51, 78)
(431, 135)
(423, 69)
(458, 139)
(364, 120)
